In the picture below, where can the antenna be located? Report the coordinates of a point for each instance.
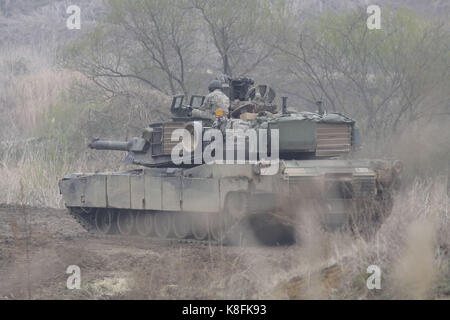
(231, 97)
(320, 108)
(284, 106)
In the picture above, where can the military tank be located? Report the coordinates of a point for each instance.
(232, 199)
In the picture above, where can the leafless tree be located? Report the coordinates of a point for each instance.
(386, 78)
(241, 31)
(149, 41)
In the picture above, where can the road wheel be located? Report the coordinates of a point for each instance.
(125, 222)
(199, 226)
(162, 221)
(181, 225)
(144, 224)
(104, 221)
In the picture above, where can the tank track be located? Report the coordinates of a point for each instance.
(93, 233)
(262, 224)
(235, 234)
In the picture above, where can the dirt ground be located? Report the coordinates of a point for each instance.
(38, 245)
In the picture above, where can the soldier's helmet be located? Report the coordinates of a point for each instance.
(215, 84)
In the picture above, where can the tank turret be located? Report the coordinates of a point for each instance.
(301, 135)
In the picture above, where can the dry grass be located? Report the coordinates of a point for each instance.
(411, 248)
(39, 176)
(40, 183)
(34, 93)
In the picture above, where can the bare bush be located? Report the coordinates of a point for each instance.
(411, 248)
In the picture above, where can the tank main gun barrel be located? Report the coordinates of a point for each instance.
(134, 145)
(109, 145)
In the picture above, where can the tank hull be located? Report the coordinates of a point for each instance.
(223, 202)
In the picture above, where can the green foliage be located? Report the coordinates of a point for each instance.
(385, 79)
